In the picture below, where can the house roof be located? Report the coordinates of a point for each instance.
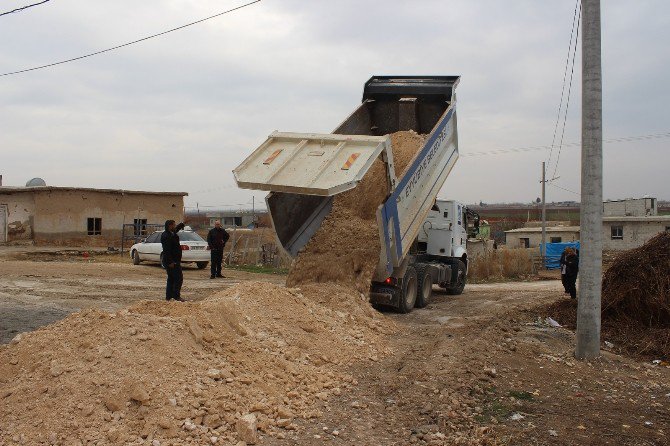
(649, 219)
(14, 189)
(549, 229)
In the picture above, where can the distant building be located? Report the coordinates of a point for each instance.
(81, 216)
(531, 237)
(232, 219)
(631, 223)
(627, 224)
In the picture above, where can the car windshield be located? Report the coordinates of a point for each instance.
(188, 236)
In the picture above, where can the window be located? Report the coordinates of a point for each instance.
(617, 232)
(446, 214)
(154, 238)
(94, 226)
(524, 242)
(140, 225)
(556, 240)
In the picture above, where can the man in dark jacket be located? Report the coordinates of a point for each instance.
(571, 272)
(172, 260)
(216, 240)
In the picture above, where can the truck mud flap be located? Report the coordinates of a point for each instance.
(384, 296)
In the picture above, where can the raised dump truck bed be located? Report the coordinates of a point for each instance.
(304, 171)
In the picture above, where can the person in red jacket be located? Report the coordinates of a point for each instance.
(216, 240)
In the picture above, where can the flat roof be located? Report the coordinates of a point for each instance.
(651, 218)
(549, 229)
(15, 189)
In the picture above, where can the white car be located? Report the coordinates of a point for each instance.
(194, 249)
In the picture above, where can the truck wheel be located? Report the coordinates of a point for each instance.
(424, 285)
(459, 284)
(201, 265)
(136, 257)
(409, 291)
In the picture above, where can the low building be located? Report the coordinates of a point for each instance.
(81, 216)
(531, 237)
(232, 219)
(621, 233)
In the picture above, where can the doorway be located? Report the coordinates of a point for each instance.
(3, 223)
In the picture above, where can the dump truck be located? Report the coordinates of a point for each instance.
(423, 240)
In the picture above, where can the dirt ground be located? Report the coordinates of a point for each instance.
(45, 289)
(480, 368)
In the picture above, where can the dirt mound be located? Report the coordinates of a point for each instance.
(346, 247)
(186, 373)
(637, 285)
(635, 301)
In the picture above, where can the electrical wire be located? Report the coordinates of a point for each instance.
(567, 102)
(23, 7)
(565, 75)
(565, 189)
(571, 144)
(130, 43)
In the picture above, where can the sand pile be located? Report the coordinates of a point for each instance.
(187, 373)
(346, 248)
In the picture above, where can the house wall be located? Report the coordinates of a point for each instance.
(20, 211)
(61, 217)
(637, 207)
(513, 239)
(635, 233)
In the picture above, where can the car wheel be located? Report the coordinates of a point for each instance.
(201, 265)
(136, 257)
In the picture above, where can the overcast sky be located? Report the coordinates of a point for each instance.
(181, 111)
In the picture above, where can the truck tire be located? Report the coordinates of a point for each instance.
(459, 283)
(408, 292)
(424, 285)
(136, 257)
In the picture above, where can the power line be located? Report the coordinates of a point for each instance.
(567, 102)
(23, 7)
(130, 43)
(571, 144)
(565, 189)
(565, 74)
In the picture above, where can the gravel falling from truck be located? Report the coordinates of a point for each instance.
(345, 249)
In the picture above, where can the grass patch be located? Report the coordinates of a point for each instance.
(521, 395)
(258, 269)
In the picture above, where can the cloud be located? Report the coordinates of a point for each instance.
(181, 111)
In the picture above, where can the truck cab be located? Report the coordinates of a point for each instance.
(444, 233)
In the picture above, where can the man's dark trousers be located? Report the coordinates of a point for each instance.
(215, 264)
(175, 278)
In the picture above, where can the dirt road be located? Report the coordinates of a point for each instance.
(479, 368)
(36, 293)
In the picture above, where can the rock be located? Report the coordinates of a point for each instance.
(284, 412)
(516, 417)
(16, 339)
(155, 443)
(491, 372)
(213, 440)
(553, 433)
(195, 330)
(164, 423)
(113, 404)
(214, 374)
(247, 428)
(139, 394)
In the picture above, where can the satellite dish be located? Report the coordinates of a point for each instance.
(36, 182)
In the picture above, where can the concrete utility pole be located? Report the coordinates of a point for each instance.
(591, 215)
(543, 251)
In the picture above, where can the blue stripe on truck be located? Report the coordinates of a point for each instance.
(390, 207)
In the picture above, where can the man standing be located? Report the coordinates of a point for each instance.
(571, 271)
(216, 240)
(172, 260)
